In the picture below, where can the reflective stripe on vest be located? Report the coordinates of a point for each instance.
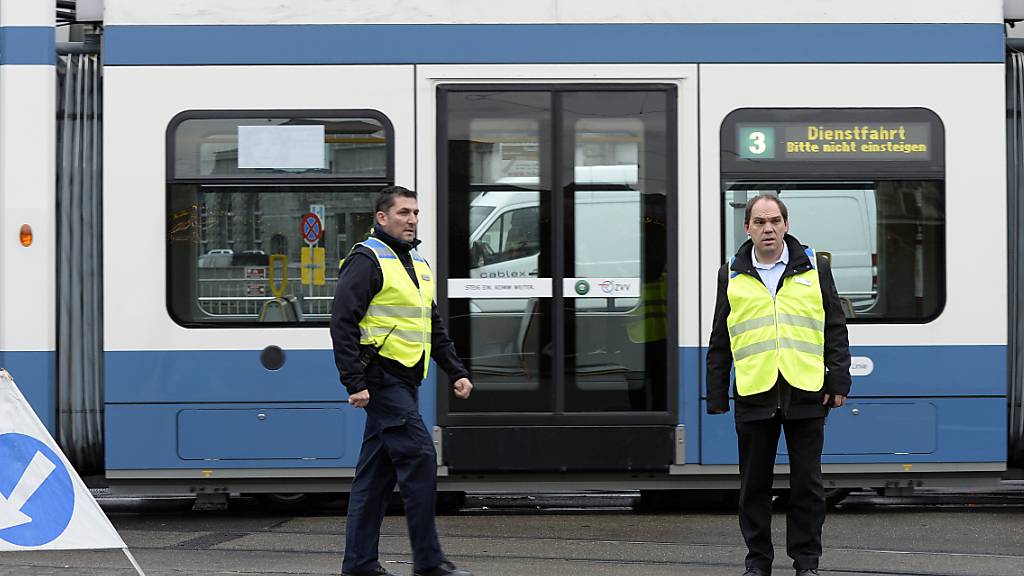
(399, 309)
(785, 334)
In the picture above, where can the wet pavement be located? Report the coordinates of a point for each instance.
(929, 533)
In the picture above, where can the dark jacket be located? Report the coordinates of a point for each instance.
(793, 403)
(359, 280)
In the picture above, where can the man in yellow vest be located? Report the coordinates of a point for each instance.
(386, 328)
(779, 322)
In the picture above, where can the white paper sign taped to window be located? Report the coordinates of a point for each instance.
(288, 147)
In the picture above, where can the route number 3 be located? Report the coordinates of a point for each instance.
(758, 143)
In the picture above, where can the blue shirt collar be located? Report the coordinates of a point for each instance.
(784, 258)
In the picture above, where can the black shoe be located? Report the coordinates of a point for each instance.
(807, 572)
(445, 569)
(751, 571)
(379, 571)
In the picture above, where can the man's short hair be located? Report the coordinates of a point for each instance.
(386, 197)
(765, 196)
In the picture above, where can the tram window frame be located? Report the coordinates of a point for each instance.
(181, 309)
(893, 178)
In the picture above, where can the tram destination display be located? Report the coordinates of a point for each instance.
(863, 141)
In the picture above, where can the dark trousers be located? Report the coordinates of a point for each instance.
(396, 448)
(758, 442)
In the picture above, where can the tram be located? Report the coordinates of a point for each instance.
(578, 165)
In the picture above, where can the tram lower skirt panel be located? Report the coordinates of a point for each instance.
(558, 448)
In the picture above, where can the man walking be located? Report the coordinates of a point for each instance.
(779, 321)
(385, 329)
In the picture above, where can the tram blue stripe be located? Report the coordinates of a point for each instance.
(35, 373)
(28, 45)
(550, 43)
(928, 371)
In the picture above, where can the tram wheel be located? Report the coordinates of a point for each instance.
(287, 502)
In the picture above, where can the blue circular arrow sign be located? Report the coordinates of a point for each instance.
(37, 496)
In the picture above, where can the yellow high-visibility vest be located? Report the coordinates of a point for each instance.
(400, 312)
(650, 322)
(785, 334)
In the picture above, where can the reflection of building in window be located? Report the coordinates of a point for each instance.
(503, 148)
(278, 244)
(608, 141)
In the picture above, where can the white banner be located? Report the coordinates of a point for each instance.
(499, 287)
(44, 505)
(601, 287)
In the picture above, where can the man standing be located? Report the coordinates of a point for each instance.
(385, 329)
(778, 319)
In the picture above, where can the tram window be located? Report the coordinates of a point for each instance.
(235, 254)
(220, 256)
(886, 240)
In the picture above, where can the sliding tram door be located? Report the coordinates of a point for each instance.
(556, 241)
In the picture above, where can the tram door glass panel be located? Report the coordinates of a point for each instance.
(499, 210)
(615, 287)
(239, 185)
(556, 255)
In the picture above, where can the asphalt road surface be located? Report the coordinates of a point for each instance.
(932, 533)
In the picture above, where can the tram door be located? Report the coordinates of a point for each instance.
(556, 243)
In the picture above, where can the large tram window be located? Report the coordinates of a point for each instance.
(238, 189)
(886, 240)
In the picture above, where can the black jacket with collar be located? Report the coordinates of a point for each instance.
(359, 280)
(793, 403)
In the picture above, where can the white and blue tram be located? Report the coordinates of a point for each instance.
(582, 169)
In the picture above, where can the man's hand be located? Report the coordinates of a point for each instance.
(837, 400)
(359, 399)
(462, 388)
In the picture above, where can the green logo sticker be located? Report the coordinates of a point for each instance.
(582, 287)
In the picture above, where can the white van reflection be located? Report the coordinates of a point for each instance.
(505, 243)
(842, 222)
(505, 238)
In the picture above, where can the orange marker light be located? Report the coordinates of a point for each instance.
(26, 235)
